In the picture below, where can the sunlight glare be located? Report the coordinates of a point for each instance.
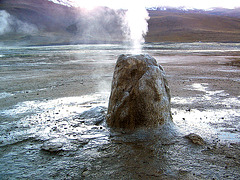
(89, 4)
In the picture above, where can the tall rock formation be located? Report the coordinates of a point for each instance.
(140, 95)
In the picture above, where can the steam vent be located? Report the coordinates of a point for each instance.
(140, 96)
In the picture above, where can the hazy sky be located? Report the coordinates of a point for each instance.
(200, 4)
(203, 4)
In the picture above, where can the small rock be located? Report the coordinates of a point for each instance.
(93, 116)
(196, 139)
(52, 146)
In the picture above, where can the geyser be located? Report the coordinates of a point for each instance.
(136, 26)
(140, 96)
(131, 15)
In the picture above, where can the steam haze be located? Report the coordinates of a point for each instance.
(133, 21)
(10, 24)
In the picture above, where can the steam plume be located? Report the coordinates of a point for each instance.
(137, 27)
(134, 20)
(10, 24)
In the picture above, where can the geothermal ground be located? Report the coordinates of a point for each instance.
(54, 100)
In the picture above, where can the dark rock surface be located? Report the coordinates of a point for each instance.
(140, 95)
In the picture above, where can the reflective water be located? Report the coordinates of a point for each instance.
(53, 101)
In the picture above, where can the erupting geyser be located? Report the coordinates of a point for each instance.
(140, 95)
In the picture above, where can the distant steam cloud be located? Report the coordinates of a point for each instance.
(10, 24)
(100, 24)
(134, 19)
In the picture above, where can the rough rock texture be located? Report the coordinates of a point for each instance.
(140, 95)
(196, 139)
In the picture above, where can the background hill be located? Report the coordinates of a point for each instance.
(192, 26)
(38, 22)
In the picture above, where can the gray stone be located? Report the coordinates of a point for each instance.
(140, 96)
(93, 116)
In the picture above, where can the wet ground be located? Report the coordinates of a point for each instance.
(54, 100)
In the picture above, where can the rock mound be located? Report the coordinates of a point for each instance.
(140, 95)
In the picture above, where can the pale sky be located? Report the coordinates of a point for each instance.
(198, 4)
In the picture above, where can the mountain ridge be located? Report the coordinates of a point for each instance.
(214, 11)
